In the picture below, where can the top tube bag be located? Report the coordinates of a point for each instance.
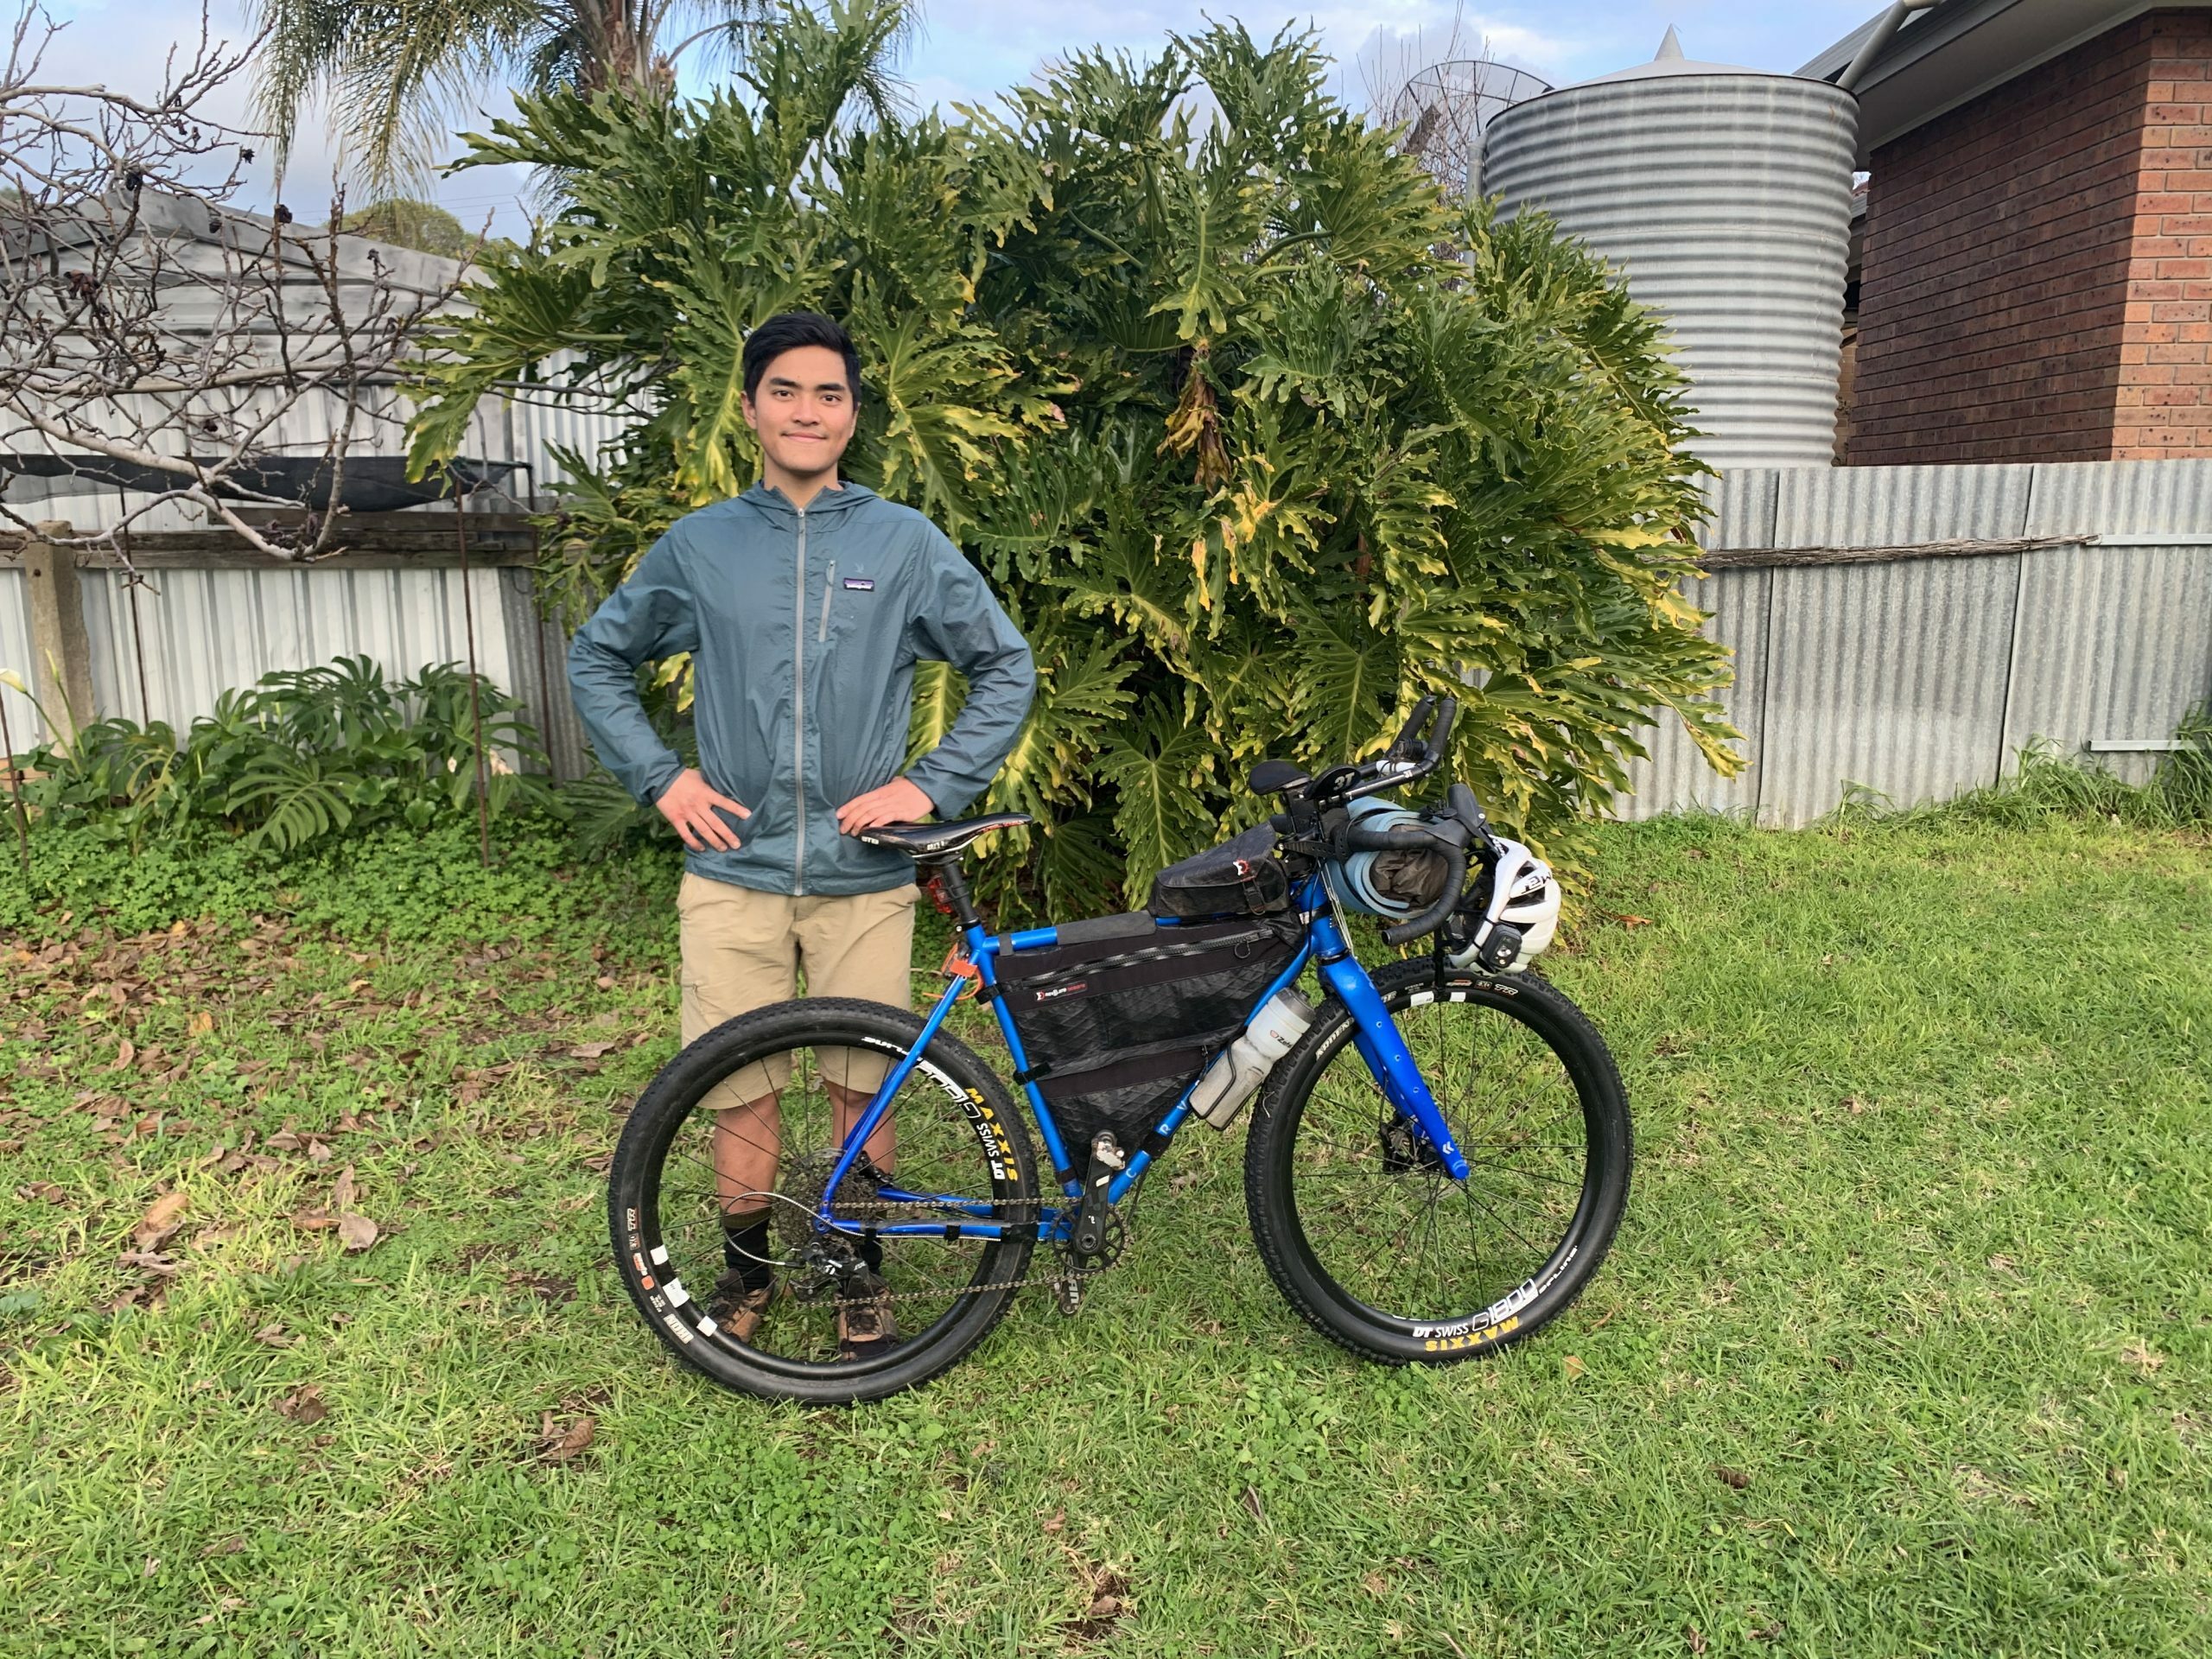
(1241, 877)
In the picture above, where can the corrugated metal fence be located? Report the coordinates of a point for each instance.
(1919, 677)
(1916, 677)
(166, 646)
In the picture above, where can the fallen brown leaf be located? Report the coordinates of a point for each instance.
(1574, 1366)
(342, 1193)
(124, 1055)
(591, 1050)
(560, 1447)
(202, 1023)
(1734, 1479)
(1056, 1521)
(357, 1232)
(312, 1221)
(160, 1221)
(162, 1267)
(273, 1335)
(303, 1406)
(1695, 1637)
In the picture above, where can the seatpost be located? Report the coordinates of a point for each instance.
(952, 884)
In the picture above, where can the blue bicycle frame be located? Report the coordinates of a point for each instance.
(1374, 1032)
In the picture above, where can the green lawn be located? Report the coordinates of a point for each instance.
(1905, 1347)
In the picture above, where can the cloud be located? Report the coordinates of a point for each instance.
(128, 45)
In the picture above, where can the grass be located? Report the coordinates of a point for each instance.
(1905, 1346)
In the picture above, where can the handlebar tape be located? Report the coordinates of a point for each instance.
(1432, 918)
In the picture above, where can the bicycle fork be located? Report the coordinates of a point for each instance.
(1375, 1035)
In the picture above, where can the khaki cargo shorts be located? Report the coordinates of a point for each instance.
(744, 950)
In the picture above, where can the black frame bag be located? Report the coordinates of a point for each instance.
(1114, 1026)
(1242, 876)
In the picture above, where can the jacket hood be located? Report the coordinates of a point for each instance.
(829, 503)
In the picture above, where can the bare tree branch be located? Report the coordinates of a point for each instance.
(152, 325)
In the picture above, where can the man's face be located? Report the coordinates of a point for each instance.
(804, 410)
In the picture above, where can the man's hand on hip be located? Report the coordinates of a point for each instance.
(897, 802)
(690, 804)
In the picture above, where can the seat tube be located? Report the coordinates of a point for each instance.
(1380, 1044)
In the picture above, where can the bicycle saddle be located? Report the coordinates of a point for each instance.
(939, 839)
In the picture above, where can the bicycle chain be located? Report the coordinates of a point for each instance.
(1055, 1281)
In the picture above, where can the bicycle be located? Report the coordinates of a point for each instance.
(1436, 1166)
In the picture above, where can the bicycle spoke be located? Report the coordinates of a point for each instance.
(1382, 1232)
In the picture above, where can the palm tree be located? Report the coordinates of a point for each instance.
(401, 75)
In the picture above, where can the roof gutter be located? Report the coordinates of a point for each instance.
(1885, 32)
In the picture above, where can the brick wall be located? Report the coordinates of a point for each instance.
(2034, 282)
(2163, 406)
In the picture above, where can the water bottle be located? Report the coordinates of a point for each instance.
(1241, 1067)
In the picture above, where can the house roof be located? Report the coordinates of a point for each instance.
(204, 233)
(1958, 49)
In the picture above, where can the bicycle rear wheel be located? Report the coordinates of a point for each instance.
(674, 1182)
(1365, 1233)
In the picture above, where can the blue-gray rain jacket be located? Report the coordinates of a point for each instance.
(804, 629)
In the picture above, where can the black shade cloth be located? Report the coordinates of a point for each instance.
(372, 484)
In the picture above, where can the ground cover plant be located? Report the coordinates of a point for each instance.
(1258, 437)
(300, 756)
(310, 1346)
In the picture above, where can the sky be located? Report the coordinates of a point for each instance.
(968, 50)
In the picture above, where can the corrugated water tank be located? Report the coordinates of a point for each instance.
(1724, 195)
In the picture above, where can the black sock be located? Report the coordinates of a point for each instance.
(871, 1254)
(746, 1250)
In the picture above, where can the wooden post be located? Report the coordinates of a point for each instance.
(61, 652)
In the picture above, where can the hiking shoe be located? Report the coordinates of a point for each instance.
(866, 1327)
(736, 1308)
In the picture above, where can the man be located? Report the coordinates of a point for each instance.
(804, 603)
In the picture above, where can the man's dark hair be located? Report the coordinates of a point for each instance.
(789, 331)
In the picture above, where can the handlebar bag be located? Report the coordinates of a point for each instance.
(1241, 877)
(1114, 1029)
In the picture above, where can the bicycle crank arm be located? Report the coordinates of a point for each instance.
(1087, 1238)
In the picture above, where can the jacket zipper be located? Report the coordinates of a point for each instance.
(828, 583)
(799, 704)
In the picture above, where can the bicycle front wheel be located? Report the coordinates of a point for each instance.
(745, 1126)
(1366, 1235)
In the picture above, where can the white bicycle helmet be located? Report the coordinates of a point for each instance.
(1524, 899)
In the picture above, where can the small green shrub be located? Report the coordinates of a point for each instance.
(304, 755)
(2185, 775)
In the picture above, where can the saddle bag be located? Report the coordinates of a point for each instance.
(1116, 1023)
(1242, 876)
